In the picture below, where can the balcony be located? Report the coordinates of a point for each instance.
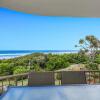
(92, 77)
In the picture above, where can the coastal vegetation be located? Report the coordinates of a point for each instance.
(44, 62)
(90, 47)
(89, 55)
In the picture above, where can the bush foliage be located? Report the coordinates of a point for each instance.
(43, 62)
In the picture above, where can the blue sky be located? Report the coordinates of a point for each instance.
(20, 31)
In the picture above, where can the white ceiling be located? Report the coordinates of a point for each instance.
(79, 8)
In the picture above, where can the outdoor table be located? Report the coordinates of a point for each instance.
(69, 92)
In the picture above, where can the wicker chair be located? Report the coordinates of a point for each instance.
(73, 77)
(41, 78)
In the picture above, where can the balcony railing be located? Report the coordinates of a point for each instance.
(13, 80)
(92, 77)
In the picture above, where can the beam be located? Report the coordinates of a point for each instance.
(74, 8)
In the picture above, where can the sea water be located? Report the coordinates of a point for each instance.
(6, 54)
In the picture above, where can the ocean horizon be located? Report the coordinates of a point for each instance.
(7, 54)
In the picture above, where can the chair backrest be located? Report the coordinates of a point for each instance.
(41, 78)
(73, 77)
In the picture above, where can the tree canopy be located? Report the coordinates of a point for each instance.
(89, 45)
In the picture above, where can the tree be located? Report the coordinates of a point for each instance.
(90, 45)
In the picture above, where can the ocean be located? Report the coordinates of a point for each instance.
(7, 54)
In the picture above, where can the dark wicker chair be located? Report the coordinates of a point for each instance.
(73, 77)
(41, 78)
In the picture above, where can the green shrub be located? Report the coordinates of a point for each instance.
(5, 69)
(43, 62)
(76, 58)
(92, 66)
(58, 76)
(56, 62)
(97, 59)
(20, 69)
